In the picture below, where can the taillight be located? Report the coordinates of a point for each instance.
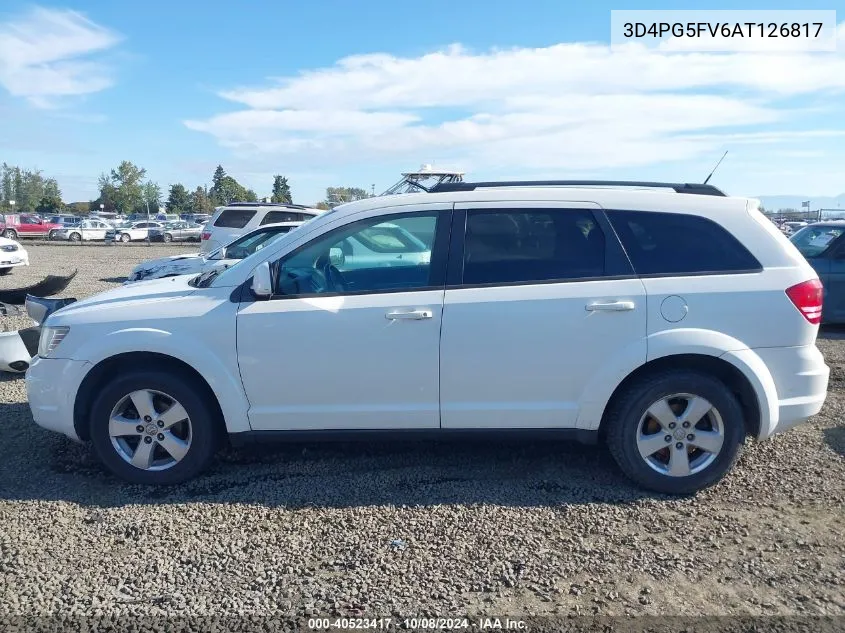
(807, 297)
(206, 236)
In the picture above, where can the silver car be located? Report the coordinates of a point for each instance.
(177, 232)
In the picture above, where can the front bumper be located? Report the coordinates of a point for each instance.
(51, 387)
(13, 352)
(14, 259)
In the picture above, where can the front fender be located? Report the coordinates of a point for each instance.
(219, 370)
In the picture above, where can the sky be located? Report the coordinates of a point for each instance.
(338, 93)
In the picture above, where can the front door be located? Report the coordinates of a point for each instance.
(541, 304)
(346, 346)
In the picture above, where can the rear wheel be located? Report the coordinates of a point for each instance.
(154, 427)
(12, 234)
(676, 432)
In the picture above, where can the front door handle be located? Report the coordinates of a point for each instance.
(613, 306)
(413, 315)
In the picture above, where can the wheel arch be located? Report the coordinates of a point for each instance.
(733, 377)
(107, 368)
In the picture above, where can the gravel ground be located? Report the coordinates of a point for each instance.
(416, 529)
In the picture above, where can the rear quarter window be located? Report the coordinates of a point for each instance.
(677, 244)
(234, 218)
(283, 216)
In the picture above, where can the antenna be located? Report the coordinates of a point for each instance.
(716, 167)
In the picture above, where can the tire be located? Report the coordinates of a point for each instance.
(124, 237)
(5, 271)
(11, 234)
(75, 237)
(204, 437)
(167, 237)
(628, 416)
(51, 235)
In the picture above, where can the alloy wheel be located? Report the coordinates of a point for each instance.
(680, 435)
(150, 430)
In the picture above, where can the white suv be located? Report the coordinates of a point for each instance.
(230, 222)
(668, 321)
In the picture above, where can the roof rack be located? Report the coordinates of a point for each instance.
(267, 204)
(685, 187)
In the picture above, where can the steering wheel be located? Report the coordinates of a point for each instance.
(333, 277)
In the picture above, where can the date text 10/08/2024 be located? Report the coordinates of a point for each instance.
(417, 624)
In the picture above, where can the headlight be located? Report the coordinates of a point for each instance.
(50, 339)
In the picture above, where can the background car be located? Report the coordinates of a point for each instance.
(223, 257)
(196, 218)
(177, 232)
(28, 225)
(65, 220)
(131, 231)
(12, 255)
(823, 246)
(86, 230)
(230, 222)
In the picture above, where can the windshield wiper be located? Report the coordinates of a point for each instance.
(207, 277)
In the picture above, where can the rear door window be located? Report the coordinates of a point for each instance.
(679, 244)
(234, 218)
(506, 247)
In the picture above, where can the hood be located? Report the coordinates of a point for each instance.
(163, 261)
(155, 290)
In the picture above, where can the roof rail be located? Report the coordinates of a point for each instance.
(267, 204)
(685, 187)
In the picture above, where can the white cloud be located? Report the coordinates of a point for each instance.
(580, 106)
(47, 54)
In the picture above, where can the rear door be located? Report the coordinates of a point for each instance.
(540, 303)
(831, 269)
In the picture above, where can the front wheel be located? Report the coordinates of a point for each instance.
(51, 235)
(125, 237)
(154, 427)
(168, 237)
(74, 237)
(5, 271)
(676, 432)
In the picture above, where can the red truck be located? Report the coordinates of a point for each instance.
(18, 225)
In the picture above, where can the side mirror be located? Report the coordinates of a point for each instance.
(262, 281)
(336, 256)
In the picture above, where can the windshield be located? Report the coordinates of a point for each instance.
(250, 252)
(249, 244)
(813, 241)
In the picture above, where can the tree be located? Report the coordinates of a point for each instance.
(51, 200)
(124, 187)
(108, 195)
(200, 202)
(341, 195)
(79, 208)
(151, 194)
(281, 190)
(179, 200)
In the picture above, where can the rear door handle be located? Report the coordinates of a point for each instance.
(613, 306)
(413, 315)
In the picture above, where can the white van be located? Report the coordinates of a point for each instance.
(238, 218)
